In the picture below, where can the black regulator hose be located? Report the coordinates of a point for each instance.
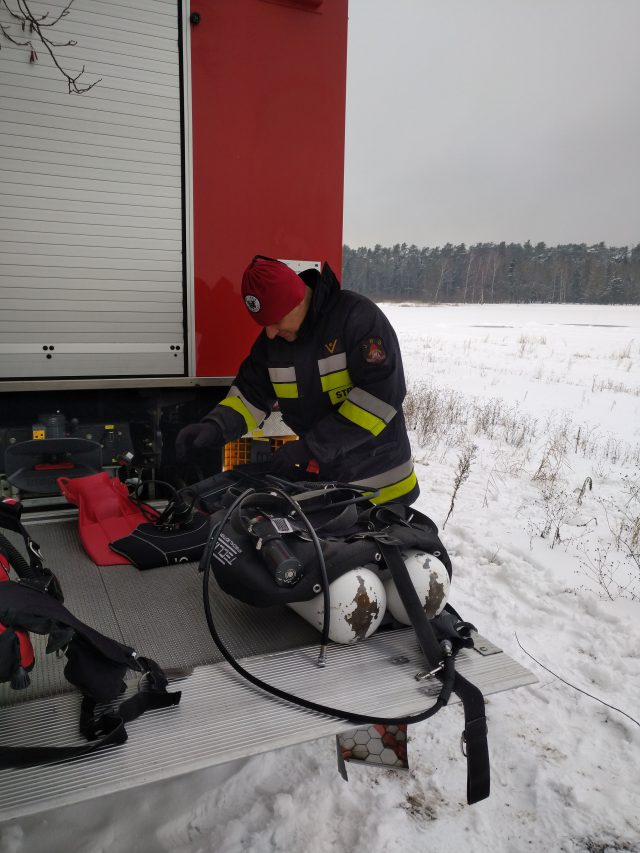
(36, 576)
(326, 600)
(17, 561)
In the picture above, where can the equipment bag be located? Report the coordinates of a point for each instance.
(264, 533)
(16, 652)
(96, 664)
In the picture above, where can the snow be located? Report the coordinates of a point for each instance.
(565, 386)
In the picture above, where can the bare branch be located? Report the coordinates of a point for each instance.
(14, 14)
(10, 38)
(40, 20)
(35, 24)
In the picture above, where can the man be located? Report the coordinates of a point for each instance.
(331, 360)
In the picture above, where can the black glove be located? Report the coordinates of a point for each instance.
(293, 461)
(203, 436)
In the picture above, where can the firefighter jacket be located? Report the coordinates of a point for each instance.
(340, 386)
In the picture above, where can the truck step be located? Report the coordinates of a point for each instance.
(222, 718)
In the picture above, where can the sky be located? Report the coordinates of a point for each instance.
(486, 120)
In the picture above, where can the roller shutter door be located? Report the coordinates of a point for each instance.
(91, 266)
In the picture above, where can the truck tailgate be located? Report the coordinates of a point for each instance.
(221, 718)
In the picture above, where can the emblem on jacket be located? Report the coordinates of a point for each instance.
(373, 350)
(252, 302)
(330, 346)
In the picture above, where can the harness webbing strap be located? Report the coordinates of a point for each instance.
(105, 730)
(474, 739)
(93, 727)
(475, 724)
(113, 730)
(427, 639)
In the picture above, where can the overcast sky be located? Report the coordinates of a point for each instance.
(489, 120)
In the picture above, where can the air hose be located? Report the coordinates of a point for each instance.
(32, 575)
(17, 561)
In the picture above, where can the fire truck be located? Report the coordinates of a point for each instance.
(213, 133)
(209, 132)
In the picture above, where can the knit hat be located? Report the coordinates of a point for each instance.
(270, 290)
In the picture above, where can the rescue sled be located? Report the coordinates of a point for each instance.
(222, 717)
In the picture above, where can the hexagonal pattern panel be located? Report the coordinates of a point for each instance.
(384, 746)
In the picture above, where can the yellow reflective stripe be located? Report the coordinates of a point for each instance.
(372, 404)
(237, 405)
(287, 390)
(361, 417)
(390, 493)
(336, 380)
(257, 414)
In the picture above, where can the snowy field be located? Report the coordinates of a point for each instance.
(542, 403)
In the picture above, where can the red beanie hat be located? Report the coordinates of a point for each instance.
(270, 290)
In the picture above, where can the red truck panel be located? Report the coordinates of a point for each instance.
(268, 105)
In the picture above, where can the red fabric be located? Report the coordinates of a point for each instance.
(270, 290)
(105, 514)
(27, 656)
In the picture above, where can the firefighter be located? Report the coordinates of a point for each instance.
(330, 360)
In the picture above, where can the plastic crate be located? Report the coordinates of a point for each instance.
(256, 449)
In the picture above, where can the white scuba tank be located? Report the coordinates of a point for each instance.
(358, 603)
(431, 581)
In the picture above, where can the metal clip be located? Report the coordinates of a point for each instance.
(422, 676)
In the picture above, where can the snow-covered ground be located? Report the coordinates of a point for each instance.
(544, 402)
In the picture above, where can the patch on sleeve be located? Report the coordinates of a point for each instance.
(373, 350)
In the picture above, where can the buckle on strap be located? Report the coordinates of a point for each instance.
(475, 730)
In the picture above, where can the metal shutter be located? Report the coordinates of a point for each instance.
(91, 268)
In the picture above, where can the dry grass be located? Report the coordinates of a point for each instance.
(603, 534)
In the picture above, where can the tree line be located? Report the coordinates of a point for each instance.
(495, 272)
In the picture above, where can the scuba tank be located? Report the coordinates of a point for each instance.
(265, 555)
(358, 603)
(361, 597)
(430, 580)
